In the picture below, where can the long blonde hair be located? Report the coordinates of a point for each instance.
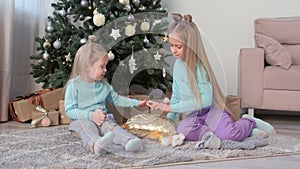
(187, 32)
(85, 56)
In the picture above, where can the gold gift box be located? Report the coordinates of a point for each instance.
(51, 99)
(23, 109)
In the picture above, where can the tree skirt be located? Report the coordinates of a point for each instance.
(55, 147)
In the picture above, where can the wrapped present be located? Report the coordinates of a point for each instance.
(21, 107)
(43, 117)
(63, 118)
(234, 104)
(50, 100)
(22, 110)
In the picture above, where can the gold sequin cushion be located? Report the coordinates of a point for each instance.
(151, 122)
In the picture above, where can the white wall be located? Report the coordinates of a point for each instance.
(227, 26)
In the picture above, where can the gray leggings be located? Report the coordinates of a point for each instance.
(89, 132)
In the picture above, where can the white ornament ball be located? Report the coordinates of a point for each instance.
(145, 26)
(124, 2)
(45, 56)
(84, 3)
(83, 40)
(57, 44)
(129, 30)
(111, 56)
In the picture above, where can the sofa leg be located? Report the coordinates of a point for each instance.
(251, 112)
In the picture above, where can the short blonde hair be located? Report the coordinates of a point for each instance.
(85, 56)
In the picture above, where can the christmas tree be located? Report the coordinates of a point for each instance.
(133, 31)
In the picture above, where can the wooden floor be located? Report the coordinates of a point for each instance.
(284, 123)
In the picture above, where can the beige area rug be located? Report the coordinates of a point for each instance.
(54, 147)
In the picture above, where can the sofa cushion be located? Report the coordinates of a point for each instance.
(286, 30)
(276, 54)
(281, 79)
(294, 50)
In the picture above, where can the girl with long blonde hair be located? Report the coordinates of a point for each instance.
(196, 92)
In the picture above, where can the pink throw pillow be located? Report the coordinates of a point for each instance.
(276, 54)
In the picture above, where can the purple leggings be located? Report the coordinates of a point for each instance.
(197, 123)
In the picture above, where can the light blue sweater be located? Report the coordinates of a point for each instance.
(183, 99)
(81, 98)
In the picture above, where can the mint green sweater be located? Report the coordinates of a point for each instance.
(183, 99)
(81, 98)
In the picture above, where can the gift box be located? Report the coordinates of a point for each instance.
(40, 114)
(22, 110)
(21, 107)
(63, 118)
(50, 100)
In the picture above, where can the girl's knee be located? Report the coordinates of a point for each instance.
(191, 131)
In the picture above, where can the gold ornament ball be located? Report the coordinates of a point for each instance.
(46, 44)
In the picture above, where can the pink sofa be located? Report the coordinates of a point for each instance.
(269, 73)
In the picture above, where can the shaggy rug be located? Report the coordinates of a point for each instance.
(55, 147)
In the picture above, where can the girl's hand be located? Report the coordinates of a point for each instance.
(143, 103)
(98, 117)
(155, 106)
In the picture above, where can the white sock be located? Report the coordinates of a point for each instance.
(134, 145)
(262, 125)
(102, 142)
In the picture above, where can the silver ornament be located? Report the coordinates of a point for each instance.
(57, 44)
(142, 8)
(146, 40)
(45, 56)
(84, 3)
(164, 72)
(49, 28)
(136, 2)
(127, 8)
(62, 12)
(81, 17)
(130, 18)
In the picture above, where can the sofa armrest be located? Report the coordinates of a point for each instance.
(251, 67)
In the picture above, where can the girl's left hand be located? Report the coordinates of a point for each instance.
(156, 106)
(143, 103)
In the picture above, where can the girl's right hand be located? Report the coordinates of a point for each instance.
(98, 117)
